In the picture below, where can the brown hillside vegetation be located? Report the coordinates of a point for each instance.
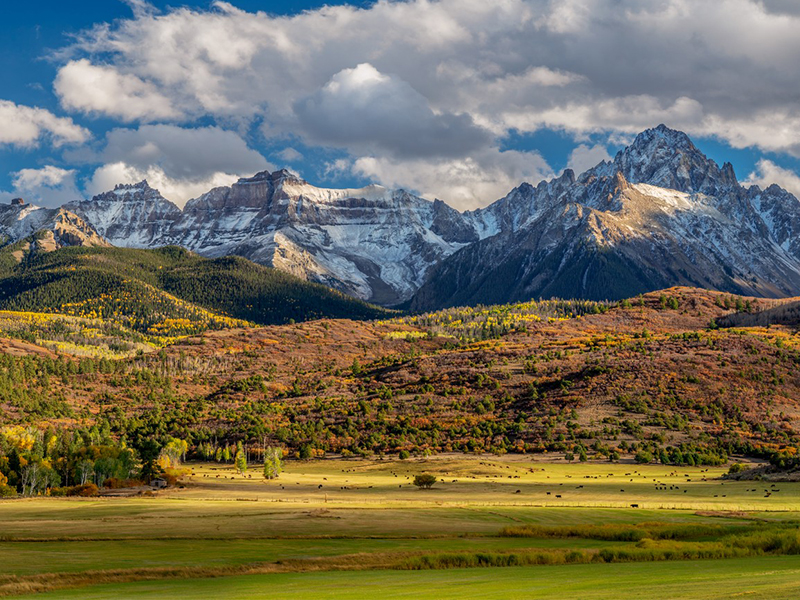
(651, 374)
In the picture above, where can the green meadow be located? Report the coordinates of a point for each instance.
(491, 527)
(769, 578)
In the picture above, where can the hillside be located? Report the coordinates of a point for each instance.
(166, 292)
(649, 376)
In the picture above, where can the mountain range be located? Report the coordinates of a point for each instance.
(659, 214)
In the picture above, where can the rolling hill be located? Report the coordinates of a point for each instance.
(164, 292)
(649, 375)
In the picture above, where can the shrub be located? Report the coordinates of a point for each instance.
(424, 481)
(86, 490)
(404, 454)
(6, 491)
(114, 483)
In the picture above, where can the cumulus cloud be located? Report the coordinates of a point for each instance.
(406, 81)
(97, 89)
(47, 186)
(26, 126)
(585, 157)
(183, 152)
(767, 173)
(464, 183)
(181, 162)
(364, 110)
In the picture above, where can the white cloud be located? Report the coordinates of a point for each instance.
(175, 189)
(25, 126)
(48, 176)
(365, 110)
(464, 183)
(182, 152)
(181, 162)
(338, 168)
(767, 173)
(47, 186)
(103, 90)
(399, 81)
(585, 157)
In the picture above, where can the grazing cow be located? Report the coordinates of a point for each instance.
(634, 506)
(558, 495)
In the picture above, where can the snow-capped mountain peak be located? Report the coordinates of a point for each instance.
(661, 214)
(667, 158)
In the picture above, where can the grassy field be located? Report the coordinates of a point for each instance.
(237, 536)
(770, 578)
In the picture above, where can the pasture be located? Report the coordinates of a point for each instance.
(362, 524)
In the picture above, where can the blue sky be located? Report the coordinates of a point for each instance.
(450, 98)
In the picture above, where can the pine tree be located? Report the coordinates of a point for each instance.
(241, 458)
(273, 462)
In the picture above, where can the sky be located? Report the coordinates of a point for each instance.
(454, 99)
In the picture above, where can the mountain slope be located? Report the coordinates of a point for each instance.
(644, 375)
(660, 214)
(153, 289)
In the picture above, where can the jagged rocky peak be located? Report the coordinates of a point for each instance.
(131, 192)
(275, 178)
(123, 187)
(71, 230)
(667, 158)
(132, 215)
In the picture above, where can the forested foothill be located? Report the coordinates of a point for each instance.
(654, 379)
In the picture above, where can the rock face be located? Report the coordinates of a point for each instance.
(56, 227)
(660, 214)
(135, 216)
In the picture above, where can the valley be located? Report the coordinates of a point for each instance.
(349, 522)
